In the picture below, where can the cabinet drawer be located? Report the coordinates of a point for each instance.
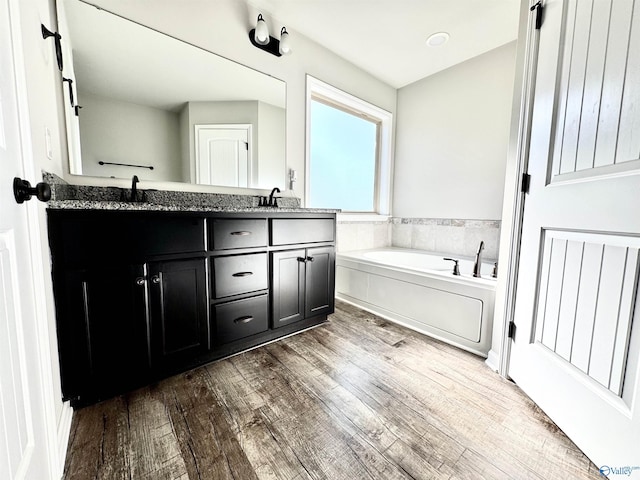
(125, 235)
(226, 233)
(239, 274)
(241, 319)
(297, 230)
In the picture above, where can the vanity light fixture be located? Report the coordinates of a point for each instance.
(261, 39)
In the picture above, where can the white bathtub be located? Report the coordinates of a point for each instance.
(417, 289)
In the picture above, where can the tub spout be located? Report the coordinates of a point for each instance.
(478, 265)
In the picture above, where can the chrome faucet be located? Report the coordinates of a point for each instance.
(478, 265)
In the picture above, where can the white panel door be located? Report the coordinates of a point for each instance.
(23, 448)
(222, 155)
(577, 346)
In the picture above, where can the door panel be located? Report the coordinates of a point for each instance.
(103, 332)
(15, 414)
(288, 286)
(222, 155)
(27, 423)
(576, 352)
(319, 293)
(180, 322)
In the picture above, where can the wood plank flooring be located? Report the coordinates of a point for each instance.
(357, 398)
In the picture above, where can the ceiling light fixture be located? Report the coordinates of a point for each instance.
(261, 39)
(438, 39)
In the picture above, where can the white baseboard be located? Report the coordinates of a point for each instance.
(492, 361)
(64, 430)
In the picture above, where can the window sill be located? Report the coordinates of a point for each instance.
(362, 217)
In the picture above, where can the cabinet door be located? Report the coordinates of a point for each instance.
(179, 317)
(320, 281)
(288, 286)
(103, 332)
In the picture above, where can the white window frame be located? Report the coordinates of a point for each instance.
(384, 163)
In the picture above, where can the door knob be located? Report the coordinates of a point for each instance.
(155, 279)
(140, 281)
(23, 191)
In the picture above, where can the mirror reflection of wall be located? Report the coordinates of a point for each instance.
(144, 93)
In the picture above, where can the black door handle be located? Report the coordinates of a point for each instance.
(23, 191)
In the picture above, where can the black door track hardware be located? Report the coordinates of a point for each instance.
(23, 191)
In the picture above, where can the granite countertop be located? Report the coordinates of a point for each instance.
(65, 196)
(146, 206)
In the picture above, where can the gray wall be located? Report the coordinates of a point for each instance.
(123, 132)
(452, 137)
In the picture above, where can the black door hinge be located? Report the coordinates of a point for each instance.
(246, 145)
(526, 183)
(538, 8)
(512, 331)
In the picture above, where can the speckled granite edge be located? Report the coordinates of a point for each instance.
(84, 197)
(128, 206)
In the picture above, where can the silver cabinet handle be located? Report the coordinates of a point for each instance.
(241, 233)
(155, 279)
(140, 281)
(242, 274)
(245, 319)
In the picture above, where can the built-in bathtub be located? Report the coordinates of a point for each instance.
(417, 289)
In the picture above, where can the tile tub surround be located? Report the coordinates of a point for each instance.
(61, 192)
(361, 235)
(452, 236)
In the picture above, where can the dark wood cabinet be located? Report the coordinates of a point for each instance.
(142, 295)
(103, 311)
(179, 312)
(303, 284)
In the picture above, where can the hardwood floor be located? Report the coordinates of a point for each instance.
(357, 398)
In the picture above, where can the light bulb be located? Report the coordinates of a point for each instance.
(262, 31)
(285, 44)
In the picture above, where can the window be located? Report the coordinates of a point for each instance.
(348, 151)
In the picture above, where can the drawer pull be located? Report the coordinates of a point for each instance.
(242, 274)
(241, 233)
(245, 319)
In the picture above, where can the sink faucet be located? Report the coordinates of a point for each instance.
(273, 202)
(134, 188)
(478, 265)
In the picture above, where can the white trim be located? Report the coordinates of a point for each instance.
(362, 217)
(513, 203)
(385, 166)
(64, 431)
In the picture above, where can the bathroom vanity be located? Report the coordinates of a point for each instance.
(142, 295)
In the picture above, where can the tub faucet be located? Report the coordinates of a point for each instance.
(478, 265)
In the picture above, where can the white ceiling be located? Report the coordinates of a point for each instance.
(387, 37)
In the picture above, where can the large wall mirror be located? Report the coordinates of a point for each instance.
(157, 107)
